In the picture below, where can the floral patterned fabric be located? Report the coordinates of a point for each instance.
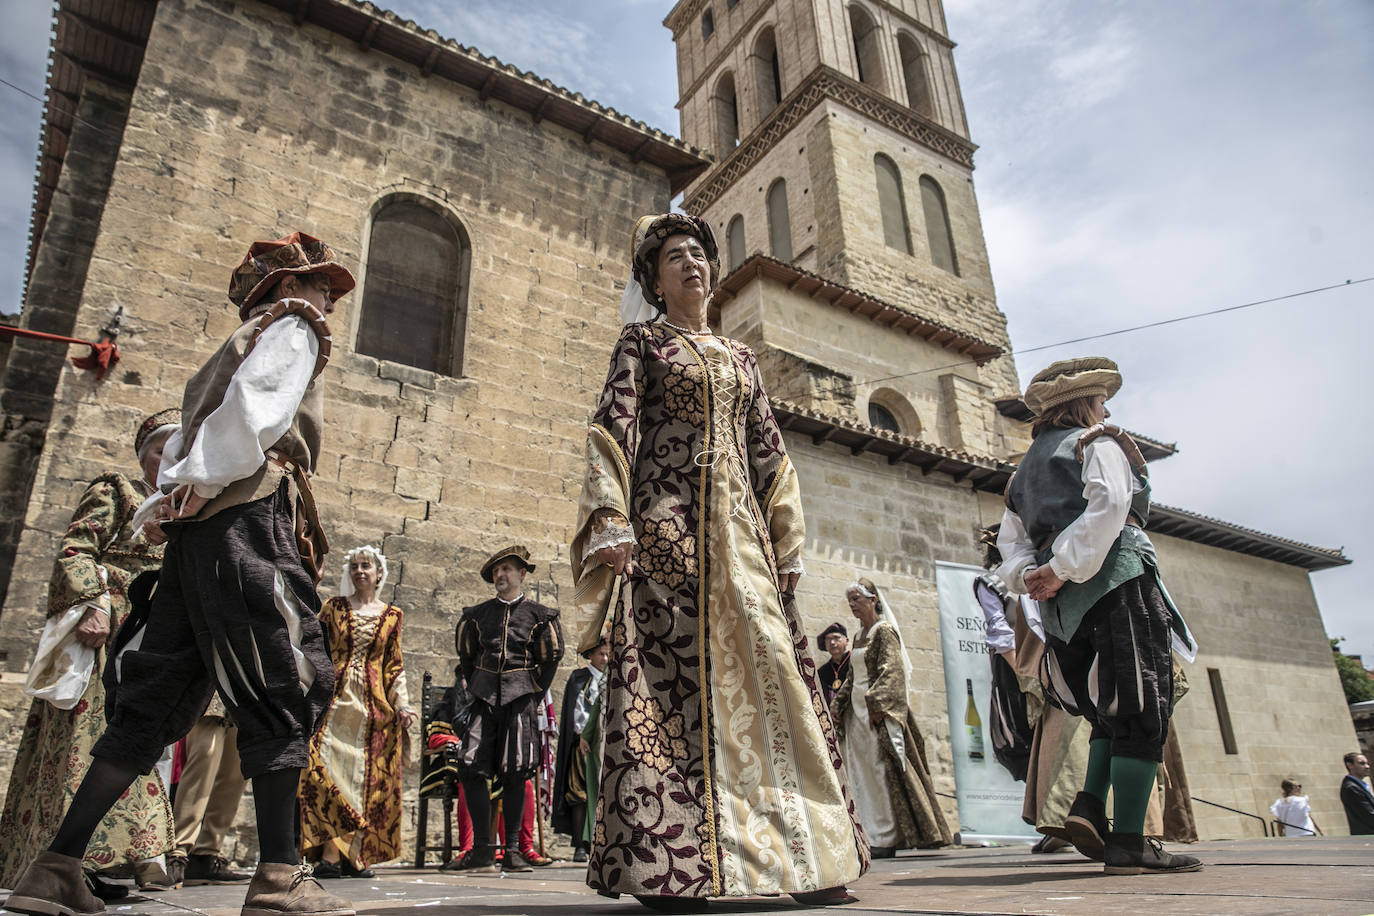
(910, 791)
(721, 774)
(54, 751)
(353, 783)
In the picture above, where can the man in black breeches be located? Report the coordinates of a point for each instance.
(509, 648)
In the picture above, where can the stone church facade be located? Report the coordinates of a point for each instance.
(489, 213)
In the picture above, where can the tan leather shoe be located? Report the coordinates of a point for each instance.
(53, 885)
(150, 876)
(289, 890)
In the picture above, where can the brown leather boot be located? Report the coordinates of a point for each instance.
(289, 890)
(53, 885)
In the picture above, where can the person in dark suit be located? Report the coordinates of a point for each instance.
(1355, 795)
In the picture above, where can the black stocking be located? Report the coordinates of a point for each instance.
(105, 781)
(513, 807)
(478, 797)
(579, 824)
(274, 798)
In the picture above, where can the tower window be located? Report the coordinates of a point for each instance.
(727, 115)
(708, 25)
(937, 226)
(867, 57)
(766, 72)
(731, 4)
(734, 241)
(779, 224)
(892, 204)
(415, 290)
(914, 73)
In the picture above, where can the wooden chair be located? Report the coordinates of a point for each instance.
(437, 775)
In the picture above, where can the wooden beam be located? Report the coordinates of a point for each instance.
(487, 87)
(900, 456)
(824, 435)
(638, 154)
(538, 113)
(369, 36)
(130, 40)
(428, 67)
(591, 128)
(862, 447)
(302, 8)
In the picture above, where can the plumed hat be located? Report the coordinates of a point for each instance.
(650, 234)
(267, 262)
(833, 628)
(162, 421)
(513, 552)
(1061, 382)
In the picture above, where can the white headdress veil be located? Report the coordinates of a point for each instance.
(634, 307)
(885, 613)
(895, 730)
(346, 589)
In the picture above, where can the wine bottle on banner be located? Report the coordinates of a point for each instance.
(973, 724)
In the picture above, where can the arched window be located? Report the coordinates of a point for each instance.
(882, 418)
(734, 241)
(727, 115)
(890, 410)
(779, 225)
(937, 226)
(767, 72)
(708, 25)
(914, 72)
(866, 54)
(414, 297)
(892, 204)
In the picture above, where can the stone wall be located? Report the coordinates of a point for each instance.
(31, 367)
(245, 126)
(943, 403)
(1258, 625)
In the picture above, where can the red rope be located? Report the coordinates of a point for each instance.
(102, 357)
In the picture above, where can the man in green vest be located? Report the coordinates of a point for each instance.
(1072, 538)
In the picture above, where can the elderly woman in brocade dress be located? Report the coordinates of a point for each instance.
(102, 552)
(721, 774)
(351, 791)
(885, 750)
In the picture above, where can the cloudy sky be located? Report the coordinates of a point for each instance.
(1138, 162)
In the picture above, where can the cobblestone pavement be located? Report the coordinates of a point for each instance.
(1320, 876)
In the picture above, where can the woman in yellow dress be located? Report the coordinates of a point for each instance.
(351, 792)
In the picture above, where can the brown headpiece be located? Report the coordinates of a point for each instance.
(513, 552)
(267, 262)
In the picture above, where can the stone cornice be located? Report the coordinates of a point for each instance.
(901, 319)
(683, 12)
(823, 84)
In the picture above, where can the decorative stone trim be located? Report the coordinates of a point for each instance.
(825, 83)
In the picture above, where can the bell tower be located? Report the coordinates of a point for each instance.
(842, 155)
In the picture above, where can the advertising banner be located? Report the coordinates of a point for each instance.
(989, 799)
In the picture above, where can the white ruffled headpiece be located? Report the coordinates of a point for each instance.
(346, 589)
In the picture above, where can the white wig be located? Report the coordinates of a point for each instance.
(346, 583)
